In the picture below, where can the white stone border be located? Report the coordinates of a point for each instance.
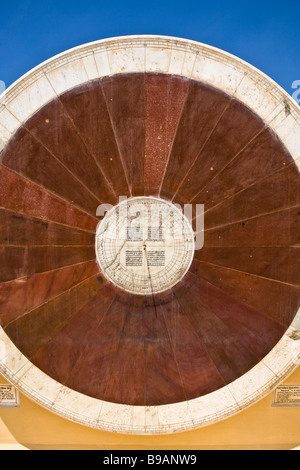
(196, 61)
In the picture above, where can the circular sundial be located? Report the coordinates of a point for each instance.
(145, 245)
(119, 310)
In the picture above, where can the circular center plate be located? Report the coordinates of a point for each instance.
(145, 245)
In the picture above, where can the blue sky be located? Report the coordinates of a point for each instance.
(264, 33)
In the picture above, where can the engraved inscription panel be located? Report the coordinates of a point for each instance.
(287, 395)
(9, 396)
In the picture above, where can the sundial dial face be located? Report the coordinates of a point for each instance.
(145, 245)
(127, 323)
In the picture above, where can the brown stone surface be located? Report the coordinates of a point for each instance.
(234, 130)
(164, 101)
(277, 300)
(203, 108)
(135, 135)
(259, 159)
(125, 99)
(18, 229)
(44, 322)
(20, 296)
(20, 195)
(87, 108)
(22, 261)
(28, 157)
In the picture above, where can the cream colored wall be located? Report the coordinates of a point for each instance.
(258, 427)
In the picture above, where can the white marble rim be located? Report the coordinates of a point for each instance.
(160, 54)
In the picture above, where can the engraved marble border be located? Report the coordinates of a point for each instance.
(171, 56)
